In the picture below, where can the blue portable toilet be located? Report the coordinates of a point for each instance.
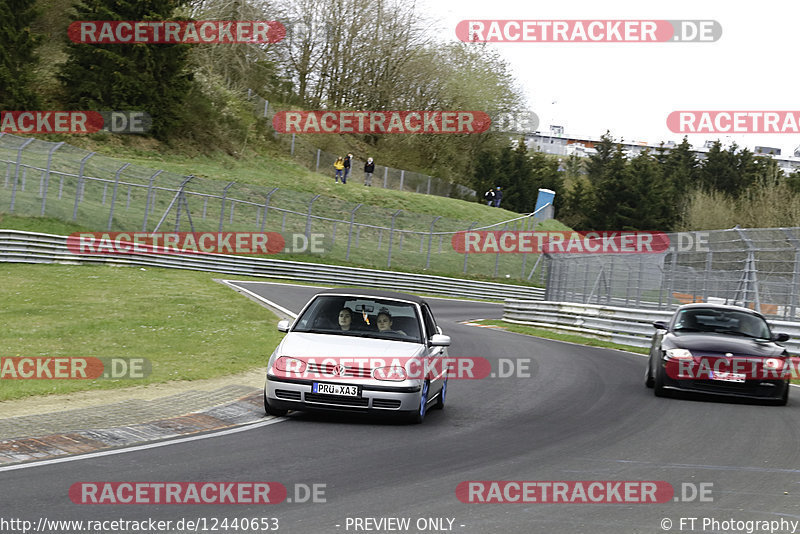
(545, 198)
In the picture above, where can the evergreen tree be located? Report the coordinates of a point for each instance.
(17, 55)
(117, 77)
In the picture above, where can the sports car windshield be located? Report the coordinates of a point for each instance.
(361, 317)
(728, 322)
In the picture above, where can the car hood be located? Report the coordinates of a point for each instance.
(711, 343)
(306, 345)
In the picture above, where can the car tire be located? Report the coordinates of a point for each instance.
(419, 416)
(658, 383)
(648, 376)
(440, 401)
(784, 400)
(273, 411)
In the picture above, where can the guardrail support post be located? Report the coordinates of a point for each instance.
(222, 207)
(114, 194)
(350, 232)
(47, 175)
(391, 235)
(266, 207)
(16, 173)
(148, 200)
(308, 218)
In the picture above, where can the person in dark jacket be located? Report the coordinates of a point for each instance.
(488, 196)
(498, 196)
(369, 168)
(347, 161)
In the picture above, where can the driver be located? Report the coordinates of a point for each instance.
(384, 322)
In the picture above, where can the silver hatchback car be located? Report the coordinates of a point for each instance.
(360, 350)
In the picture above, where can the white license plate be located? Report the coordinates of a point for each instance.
(724, 376)
(335, 389)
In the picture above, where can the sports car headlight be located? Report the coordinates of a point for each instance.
(679, 354)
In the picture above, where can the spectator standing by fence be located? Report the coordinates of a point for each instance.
(347, 162)
(338, 165)
(488, 196)
(369, 168)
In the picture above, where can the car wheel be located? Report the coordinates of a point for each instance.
(784, 399)
(648, 376)
(419, 416)
(442, 394)
(658, 383)
(273, 411)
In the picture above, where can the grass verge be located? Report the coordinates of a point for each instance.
(187, 325)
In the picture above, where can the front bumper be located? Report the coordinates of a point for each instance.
(297, 394)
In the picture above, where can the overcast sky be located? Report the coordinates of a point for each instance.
(631, 88)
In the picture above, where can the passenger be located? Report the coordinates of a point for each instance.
(345, 318)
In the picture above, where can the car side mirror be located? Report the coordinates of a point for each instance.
(780, 337)
(283, 326)
(659, 325)
(440, 340)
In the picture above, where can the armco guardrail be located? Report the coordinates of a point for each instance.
(29, 247)
(626, 326)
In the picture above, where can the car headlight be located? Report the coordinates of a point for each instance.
(392, 373)
(679, 354)
(290, 365)
(773, 364)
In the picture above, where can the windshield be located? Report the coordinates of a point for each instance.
(361, 317)
(729, 322)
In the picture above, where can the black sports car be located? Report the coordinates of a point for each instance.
(720, 350)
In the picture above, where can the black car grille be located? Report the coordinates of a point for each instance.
(340, 400)
(288, 395)
(390, 404)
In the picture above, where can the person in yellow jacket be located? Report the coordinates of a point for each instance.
(339, 166)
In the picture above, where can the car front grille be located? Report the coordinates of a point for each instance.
(288, 395)
(329, 370)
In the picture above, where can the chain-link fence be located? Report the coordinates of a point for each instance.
(319, 160)
(758, 268)
(41, 178)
